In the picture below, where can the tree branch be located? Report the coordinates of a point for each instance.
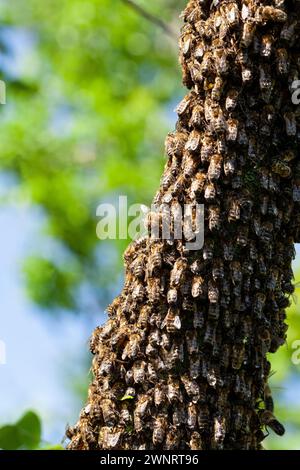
(150, 17)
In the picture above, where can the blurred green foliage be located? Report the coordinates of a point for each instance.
(91, 86)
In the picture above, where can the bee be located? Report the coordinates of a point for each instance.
(269, 13)
(182, 108)
(192, 415)
(290, 123)
(232, 130)
(219, 123)
(225, 355)
(198, 287)
(266, 45)
(153, 289)
(206, 149)
(268, 419)
(215, 167)
(159, 429)
(178, 271)
(231, 13)
(191, 387)
(288, 32)
(195, 366)
(229, 166)
(207, 64)
(265, 77)
(238, 355)
(282, 61)
(217, 89)
(203, 418)
(248, 33)
(139, 371)
(133, 248)
(94, 340)
(218, 270)
(196, 117)
(228, 251)
(196, 441)
(193, 142)
(172, 439)
(219, 431)
(242, 236)
(259, 303)
(198, 183)
(144, 316)
(138, 292)
(172, 296)
(179, 416)
(155, 260)
(172, 320)
(210, 191)
(231, 100)
(221, 61)
(110, 437)
(296, 192)
(213, 292)
(192, 342)
(159, 394)
(188, 165)
(198, 317)
(109, 411)
(132, 347)
(174, 393)
(236, 272)
(214, 217)
(247, 73)
(268, 399)
(152, 375)
(210, 333)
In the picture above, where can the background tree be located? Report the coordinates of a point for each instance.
(81, 76)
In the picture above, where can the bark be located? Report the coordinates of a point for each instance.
(182, 361)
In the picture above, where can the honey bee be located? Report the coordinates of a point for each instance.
(198, 287)
(217, 89)
(192, 415)
(174, 393)
(282, 61)
(210, 191)
(191, 387)
(268, 399)
(144, 316)
(232, 130)
(110, 437)
(172, 320)
(215, 167)
(195, 366)
(259, 303)
(153, 289)
(196, 441)
(210, 333)
(236, 272)
(265, 77)
(206, 149)
(196, 117)
(172, 296)
(228, 251)
(179, 416)
(268, 419)
(269, 13)
(178, 271)
(159, 429)
(249, 29)
(159, 394)
(138, 292)
(231, 100)
(288, 32)
(214, 217)
(181, 109)
(203, 418)
(207, 64)
(155, 260)
(94, 340)
(198, 183)
(219, 123)
(238, 355)
(290, 123)
(193, 142)
(221, 61)
(242, 236)
(219, 431)
(192, 342)
(132, 347)
(267, 45)
(109, 411)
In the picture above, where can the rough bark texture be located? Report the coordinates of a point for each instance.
(181, 363)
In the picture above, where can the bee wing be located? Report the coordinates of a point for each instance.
(295, 298)
(177, 322)
(113, 438)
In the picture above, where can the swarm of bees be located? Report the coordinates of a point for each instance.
(181, 362)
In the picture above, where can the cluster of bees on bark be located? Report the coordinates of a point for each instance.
(182, 361)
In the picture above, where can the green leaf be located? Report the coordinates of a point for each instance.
(29, 429)
(127, 397)
(9, 437)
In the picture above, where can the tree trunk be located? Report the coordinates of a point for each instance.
(181, 363)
